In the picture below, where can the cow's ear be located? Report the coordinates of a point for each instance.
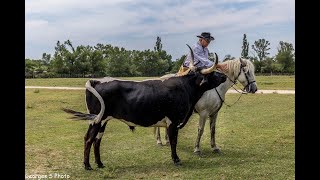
(201, 80)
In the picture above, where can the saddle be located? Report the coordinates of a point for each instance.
(183, 71)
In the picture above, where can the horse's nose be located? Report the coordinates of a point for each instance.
(254, 89)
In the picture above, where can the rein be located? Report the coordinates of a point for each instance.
(222, 101)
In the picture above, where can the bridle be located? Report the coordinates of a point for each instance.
(247, 78)
(235, 83)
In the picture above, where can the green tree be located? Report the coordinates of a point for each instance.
(267, 65)
(106, 53)
(165, 63)
(228, 57)
(177, 64)
(58, 62)
(286, 56)
(70, 58)
(46, 58)
(97, 62)
(135, 61)
(254, 59)
(118, 63)
(212, 57)
(30, 67)
(161, 59)
(277, 68)
(245, 47)
(82, 55)
(261, 48)
(149, 64)
(158, 46)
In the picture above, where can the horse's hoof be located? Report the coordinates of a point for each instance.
(217, 151)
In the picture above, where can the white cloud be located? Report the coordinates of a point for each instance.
(135, 24)
(64, 6)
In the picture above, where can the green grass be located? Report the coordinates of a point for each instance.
(276, 82)
(263, 82)
(256, 137)
(69, 82)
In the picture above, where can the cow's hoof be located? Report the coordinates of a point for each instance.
(217, 151)
(159, 144)
(101, 165)
(177, 162)
(88, 168)
(167, 144)
(197, 153)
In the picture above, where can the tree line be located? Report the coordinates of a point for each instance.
(107, 60)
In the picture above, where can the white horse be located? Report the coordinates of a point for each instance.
(209, 104)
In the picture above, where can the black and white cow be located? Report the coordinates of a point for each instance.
(157, 103)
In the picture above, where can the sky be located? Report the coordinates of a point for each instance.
(135, 24)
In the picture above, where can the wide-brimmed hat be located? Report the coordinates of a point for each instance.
(207, 36)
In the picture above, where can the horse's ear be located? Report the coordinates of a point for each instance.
(243, 63)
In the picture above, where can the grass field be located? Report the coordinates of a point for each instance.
(263, 82)
(256, 137)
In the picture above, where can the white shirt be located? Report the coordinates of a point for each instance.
(201, 57)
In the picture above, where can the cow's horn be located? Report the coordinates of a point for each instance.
(210, 69)
(191, 66)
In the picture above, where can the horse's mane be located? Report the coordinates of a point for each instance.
(234, 66)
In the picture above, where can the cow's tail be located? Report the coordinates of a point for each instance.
(79, 115)
(89, 87)
(181, 125)
(84, 116)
